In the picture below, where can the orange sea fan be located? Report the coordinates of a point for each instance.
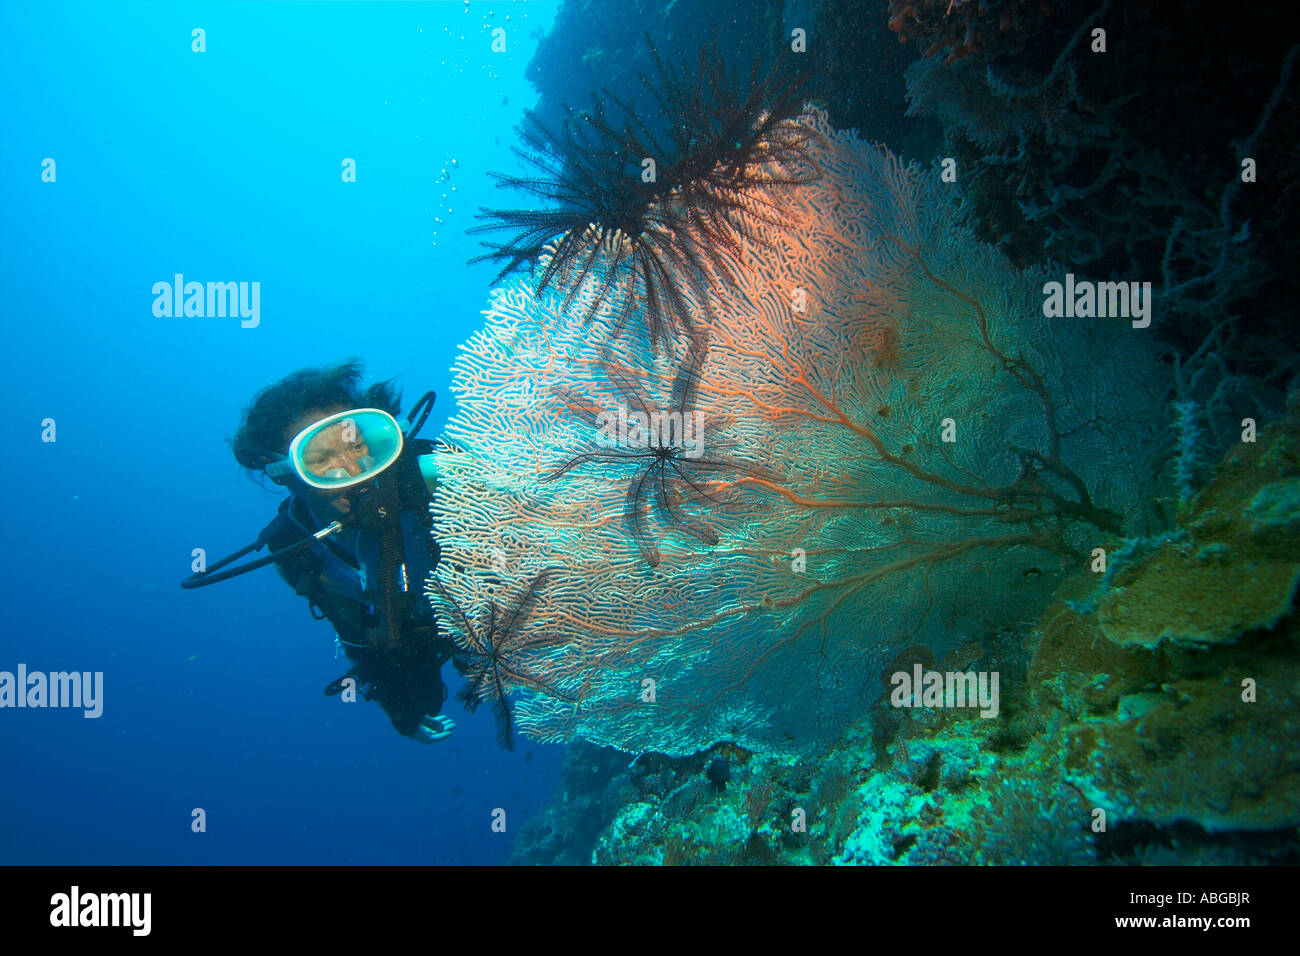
(756, 599)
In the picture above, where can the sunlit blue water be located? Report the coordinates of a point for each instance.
(226, 166)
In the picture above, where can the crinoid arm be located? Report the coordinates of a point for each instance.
(722, 148)
(670, 460)
(496, 651)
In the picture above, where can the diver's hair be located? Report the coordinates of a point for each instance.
(261, 434)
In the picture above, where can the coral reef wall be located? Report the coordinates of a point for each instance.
(598, 46)
(896, 448)
(1076, 139)
(1154, 729)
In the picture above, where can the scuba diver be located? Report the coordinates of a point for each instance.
(353, 537)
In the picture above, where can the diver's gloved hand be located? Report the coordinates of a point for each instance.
(434, 728)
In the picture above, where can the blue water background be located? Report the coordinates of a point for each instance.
(225, 166)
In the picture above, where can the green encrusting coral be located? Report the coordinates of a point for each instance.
(1182, 692)
(1174, 722)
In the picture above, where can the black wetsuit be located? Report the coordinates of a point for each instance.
(337, 577)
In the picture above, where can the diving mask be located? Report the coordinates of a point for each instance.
(343, 450)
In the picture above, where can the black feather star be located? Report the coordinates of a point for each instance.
(494, 655)
(668, 467)
(652, 239)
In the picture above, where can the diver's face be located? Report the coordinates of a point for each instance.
(337, 448)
